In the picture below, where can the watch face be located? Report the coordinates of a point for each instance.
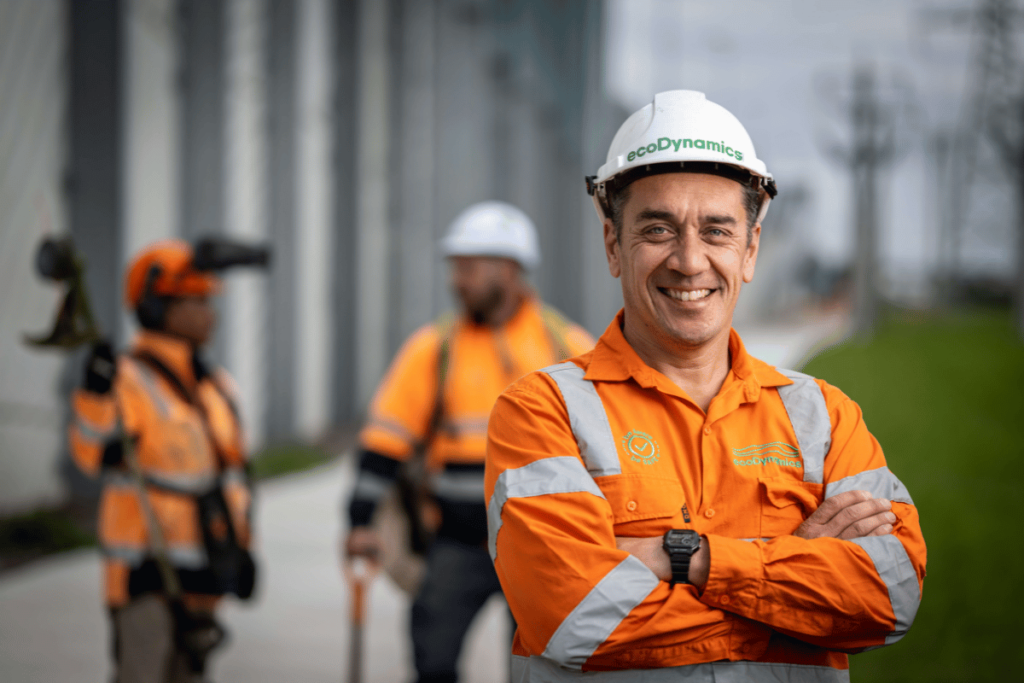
(682, 539)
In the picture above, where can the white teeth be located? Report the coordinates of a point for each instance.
(684, 295)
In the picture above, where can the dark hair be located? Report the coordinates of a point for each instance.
(618, 196)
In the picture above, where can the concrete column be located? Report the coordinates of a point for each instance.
(602, 295)
(34, 83)
(373, 276)
(203, 35)
(282, 90)
(345, 50)
(244, 325)
(151, 124)
(313, 247)
(95, 159)
(464, 114)
(416, 264)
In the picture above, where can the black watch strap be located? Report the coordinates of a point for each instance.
(680, 567)
(681, 544)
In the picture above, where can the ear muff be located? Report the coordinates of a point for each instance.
(152, 308)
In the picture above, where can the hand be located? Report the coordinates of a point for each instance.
(651, 552)
(100, 368)
(853, 514)
(363, 541)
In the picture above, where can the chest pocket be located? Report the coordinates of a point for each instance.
(642, 504)
(786, 503)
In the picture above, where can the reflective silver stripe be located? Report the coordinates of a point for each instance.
(117, 479)
(94, 434)
(564, 474)
(184, 484)
(152, 388)
(181, 556)
(588, 419)
(187, 557)
(805, 405)
(540, 670)
(464, 487)
(880, 483)
(234, 476)
(130, 555)
(370, 487)
(180, 482)
(600, 613)
(894, 568)
(391, 426)
(465, 426)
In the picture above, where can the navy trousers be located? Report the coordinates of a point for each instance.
(459, 580)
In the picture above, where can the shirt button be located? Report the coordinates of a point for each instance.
(631, 506)
(707, 430)
(725, 600)
(709, 513)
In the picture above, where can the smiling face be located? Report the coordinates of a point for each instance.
(683, 255)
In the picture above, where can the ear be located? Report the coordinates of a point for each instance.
(750, 256)
(612, 248)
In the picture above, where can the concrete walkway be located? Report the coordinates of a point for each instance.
(53, 628)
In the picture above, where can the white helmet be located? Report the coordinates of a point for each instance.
(493, 229)
(681, 129)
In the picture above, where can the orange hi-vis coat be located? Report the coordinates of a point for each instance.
(605, 446)
(482, 361)
(175, 452)
(410, 409)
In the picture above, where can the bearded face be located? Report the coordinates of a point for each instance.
(482, 284)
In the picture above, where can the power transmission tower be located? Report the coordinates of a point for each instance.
(872, 146)
(992, 110)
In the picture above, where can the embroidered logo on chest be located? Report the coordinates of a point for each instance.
(777, 452)
(641, 447)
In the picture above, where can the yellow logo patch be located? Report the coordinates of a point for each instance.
(641, 447)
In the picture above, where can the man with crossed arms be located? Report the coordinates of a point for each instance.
(667, 502)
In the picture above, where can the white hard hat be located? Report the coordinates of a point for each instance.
(493, 229)
(681, 130)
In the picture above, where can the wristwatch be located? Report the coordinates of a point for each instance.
(680, 544)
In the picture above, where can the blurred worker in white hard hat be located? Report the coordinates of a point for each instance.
(668, 502)
(435, 400)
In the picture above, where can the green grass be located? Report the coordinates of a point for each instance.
(41, 532)
(277, 460)
(945, 398)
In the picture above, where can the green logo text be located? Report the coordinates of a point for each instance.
(664, 144)
(776, 452)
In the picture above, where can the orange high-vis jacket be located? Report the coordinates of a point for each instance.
(481, 362)
(438, 393)
(178, 459)
(605, 446)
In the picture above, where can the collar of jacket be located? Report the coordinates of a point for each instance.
(614, 360)
(173, 352)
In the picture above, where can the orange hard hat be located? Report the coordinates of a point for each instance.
(170, 263)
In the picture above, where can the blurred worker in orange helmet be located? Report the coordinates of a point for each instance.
(169, 561)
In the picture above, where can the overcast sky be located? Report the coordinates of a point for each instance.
(770, 63)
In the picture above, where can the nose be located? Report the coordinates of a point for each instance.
(688, 256)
